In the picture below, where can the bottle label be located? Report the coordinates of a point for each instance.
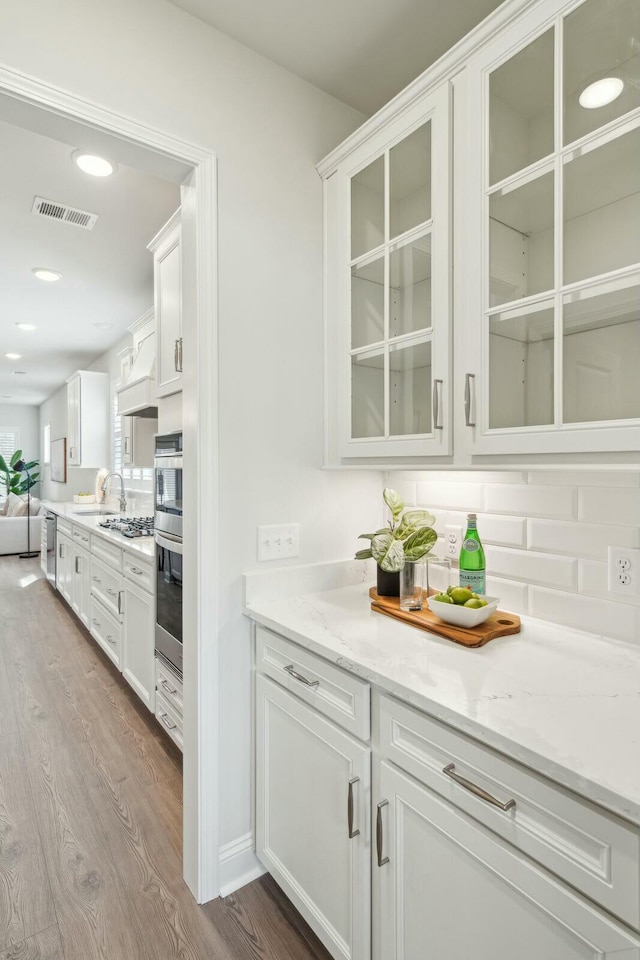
(470, 545)
(474, 579)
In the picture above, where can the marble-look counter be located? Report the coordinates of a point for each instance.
(563, 702)
(143, 547)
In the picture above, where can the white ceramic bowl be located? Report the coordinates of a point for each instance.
(463, 616)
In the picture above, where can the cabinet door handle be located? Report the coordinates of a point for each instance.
(164, 718)
(298, 676)
(77, 567)
(126, 444)
(467, 398)
(475, 789)
(379, 836)
(175, 355)
(180, 354)
(352, 833)
(120, 610)
(437, 387)
(167, 687)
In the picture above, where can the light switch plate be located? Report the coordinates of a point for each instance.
(279, 541)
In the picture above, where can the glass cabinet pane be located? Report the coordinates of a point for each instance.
(521, 241)
(367, 208)
(601, 354)
(601, 65)
(367, 394)
(367, 302)
(410, 181)
(602, 209)
(410, 287)
(521, 367)
(410, 389)
(521, 109)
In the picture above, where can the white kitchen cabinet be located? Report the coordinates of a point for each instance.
(81, 584)
(138, 641)
(88, 419)
(64, 566)
(312, 820)
(166, 250)
(388, 280)
(444, 886)
(137, 437)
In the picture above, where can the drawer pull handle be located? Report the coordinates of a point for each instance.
(111, 592)
(95, 622)
(379, 836)
(298, 676)
(352, 833)
(110, 638)
(97, 580)
(167, 687)
(165, 720)
(138, 572)
(475, 789)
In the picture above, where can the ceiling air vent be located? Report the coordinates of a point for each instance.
(64, 213)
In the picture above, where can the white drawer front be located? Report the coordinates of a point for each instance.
(64, 526)
(333, 692)
(107, 553)
(82, 537)
(106, 586)
(169, 719)
(139, 572)
(170, 686)
(107, 632)
(592, 850)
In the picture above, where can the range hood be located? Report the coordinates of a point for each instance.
(137, 396)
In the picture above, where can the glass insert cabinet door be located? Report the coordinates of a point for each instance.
(395, 342)
(557, 220)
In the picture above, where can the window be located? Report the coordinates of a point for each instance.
(116, 430)
(46, 443)
(9, 441)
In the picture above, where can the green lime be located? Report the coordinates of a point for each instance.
(460, 595)
(475, 603)
(443, 598)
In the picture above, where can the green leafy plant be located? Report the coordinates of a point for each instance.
(408, 536)
(13, 480)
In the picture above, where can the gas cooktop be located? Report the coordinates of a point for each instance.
(130, 526)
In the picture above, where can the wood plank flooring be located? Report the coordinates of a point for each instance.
(91, 811)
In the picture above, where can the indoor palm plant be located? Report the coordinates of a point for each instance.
(12, 480)
(408, 536)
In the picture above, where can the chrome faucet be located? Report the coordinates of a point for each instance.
(123, 502)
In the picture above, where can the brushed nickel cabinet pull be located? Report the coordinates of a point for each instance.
(475, 789)
(352, 833)
(169, 726)
(298, 676)
(437, 386)
(180, 355)
(120, 601)
(167, 687)
(467, 398)
(175, 355)
(77, 562)
(379, 835)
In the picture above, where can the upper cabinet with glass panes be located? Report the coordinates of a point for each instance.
(393, 353)
(554, 352)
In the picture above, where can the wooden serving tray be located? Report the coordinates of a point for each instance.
(499, 624)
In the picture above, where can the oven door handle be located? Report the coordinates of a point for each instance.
(166, 541)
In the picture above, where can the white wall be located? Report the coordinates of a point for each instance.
(268, 129)
(25, 419)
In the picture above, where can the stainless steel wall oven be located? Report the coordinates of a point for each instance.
(168, 538)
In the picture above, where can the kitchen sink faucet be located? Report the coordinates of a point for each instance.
(123, 502)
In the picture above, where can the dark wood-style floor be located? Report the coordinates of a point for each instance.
(91, 811)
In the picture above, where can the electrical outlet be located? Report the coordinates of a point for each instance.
(278, 542)
(452, 541)
(624, 571)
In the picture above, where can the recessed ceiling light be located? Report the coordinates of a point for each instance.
(5, 396)
(12, 356)
(20, 373)
(93, 165)
(103, 326)
(26, 326)
(600, 93)
(49, 276)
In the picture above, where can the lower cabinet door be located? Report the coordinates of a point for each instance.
(64, 567)
(312, 818)
(81, 579)
(445, 888)
(138, 642)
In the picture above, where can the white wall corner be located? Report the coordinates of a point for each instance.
(239, 864)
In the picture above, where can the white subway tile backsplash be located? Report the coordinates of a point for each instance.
(506, 531)
(593, 581)
(514, 597)
(586, 478)
(452, 496)
(604, 505)
(545, 569)
(555, 502)
(618, 620)
(579, 539)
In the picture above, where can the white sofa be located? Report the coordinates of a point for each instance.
(13, 530)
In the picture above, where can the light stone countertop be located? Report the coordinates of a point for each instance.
(142, 547)
(563, 702)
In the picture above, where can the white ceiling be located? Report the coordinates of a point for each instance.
(107, 273)
(361, 51)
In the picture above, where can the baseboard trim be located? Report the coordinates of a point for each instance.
(238, 864)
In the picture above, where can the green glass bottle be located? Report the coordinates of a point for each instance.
(472, 565)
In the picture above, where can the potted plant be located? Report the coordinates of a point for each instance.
(408, 536)
(13, 481)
